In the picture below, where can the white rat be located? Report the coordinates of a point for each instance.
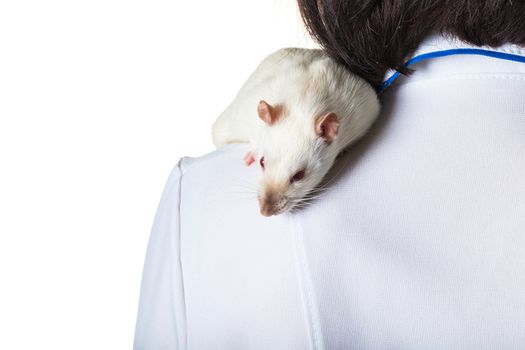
(298, 110)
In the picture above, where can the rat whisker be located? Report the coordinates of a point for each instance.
(247, 185)
(327, 182)
(245, 192)
(301, 203)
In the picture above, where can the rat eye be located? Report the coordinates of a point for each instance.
(262, 162)
(298, 176)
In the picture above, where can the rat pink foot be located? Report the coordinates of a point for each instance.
(249, 158)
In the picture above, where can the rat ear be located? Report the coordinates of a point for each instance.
(327, 126)
(268, 113)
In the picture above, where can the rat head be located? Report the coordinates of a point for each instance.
(294, 152)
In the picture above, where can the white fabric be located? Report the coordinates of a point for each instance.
(418, 242)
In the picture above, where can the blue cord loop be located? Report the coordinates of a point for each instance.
(435, 54)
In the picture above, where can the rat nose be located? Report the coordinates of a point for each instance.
(267, 205)
(270, 204)
(267, 210)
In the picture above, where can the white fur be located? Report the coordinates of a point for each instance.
(308, 84)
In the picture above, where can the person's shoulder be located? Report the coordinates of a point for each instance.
(229, 155)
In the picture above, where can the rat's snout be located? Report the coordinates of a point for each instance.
(272, 203)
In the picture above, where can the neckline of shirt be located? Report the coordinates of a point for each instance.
(438, 51)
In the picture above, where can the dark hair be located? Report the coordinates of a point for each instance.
(371, 36)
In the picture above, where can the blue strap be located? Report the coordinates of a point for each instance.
(435, 54)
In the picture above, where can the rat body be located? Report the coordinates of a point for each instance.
(298, 111)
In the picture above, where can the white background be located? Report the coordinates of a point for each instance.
(98, 100)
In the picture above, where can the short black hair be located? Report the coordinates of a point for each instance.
(371, 36)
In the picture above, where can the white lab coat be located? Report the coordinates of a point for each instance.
(418, 242)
